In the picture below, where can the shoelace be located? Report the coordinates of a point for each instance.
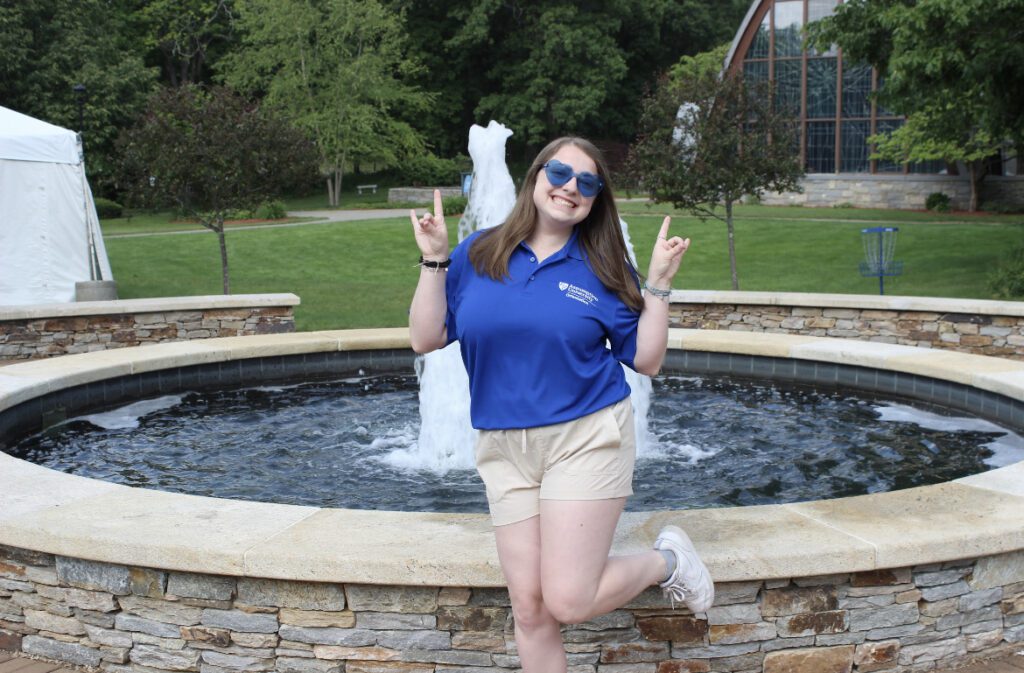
(674, 590)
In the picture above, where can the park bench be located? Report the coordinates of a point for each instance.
(362, 187)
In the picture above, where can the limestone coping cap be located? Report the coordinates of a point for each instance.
(874, 302)
(63, 514)
(153, 305)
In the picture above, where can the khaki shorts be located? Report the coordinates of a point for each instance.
(589, 458)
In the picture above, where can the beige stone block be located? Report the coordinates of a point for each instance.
(777, 345)
(366, 339)
(335, 652)
(1009, 480)
(454, 596)
(923, 525)
(316, 618)
(950, 366)
(774, 542)
(397, 667)
(266, 345)
(484, 642)
(28, 488)
(810, 660)
(397, 548)
(152, 528)
(845, 351)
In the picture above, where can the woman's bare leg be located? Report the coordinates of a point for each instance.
(538, 633)
(578, 579)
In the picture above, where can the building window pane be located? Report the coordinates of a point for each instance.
(856, 87)
(819, 9)
(759, 45)
(886, 126)
(821, 87)
(853, 147)
(787, 85)
(821, 147)
(931, 166)
(880, 110)
(755, 71)
(789, 20)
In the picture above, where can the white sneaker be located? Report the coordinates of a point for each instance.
(690, 582)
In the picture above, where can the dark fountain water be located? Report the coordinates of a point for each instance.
(346, 443)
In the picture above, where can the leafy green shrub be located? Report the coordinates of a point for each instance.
(844, 204)
(271, 210)
(107, 209)
(238, 214)
(938, 202)
(429, 170)
(455, 205)
(1007, 281)
(1004, 208)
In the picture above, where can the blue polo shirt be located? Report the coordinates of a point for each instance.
(534, 343)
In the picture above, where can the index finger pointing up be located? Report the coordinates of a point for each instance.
(438, 208)
(664, 228)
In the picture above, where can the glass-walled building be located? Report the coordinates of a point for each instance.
(830, 98)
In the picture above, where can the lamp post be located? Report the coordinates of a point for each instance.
(79, 90)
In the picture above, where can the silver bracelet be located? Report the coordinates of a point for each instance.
(658, 292)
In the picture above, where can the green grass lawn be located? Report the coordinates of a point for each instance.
(362, 274)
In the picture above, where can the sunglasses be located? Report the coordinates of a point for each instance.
(558, 174)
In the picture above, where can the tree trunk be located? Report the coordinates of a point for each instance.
(334, 187)
(223, 255)
(977, 172)
(732, 246)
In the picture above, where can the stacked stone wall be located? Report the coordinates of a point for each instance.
(1000, 336)
(896, 191)
(30, 338)
(122, 619)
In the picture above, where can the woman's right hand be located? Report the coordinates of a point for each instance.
(431, 232)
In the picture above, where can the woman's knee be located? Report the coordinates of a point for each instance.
(530, 612)
(568, 606)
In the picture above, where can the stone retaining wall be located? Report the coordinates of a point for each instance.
(897, 191)
(420, 194)
(114, 324)
(143, 620)
(981, 334)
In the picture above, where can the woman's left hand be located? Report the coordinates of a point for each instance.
(668, 254)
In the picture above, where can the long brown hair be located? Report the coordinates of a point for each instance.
(600, 235)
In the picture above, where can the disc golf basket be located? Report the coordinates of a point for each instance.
(879, 247)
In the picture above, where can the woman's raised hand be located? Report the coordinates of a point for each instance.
(668, 254)
(431, 232)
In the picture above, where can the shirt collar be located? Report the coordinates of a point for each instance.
(572, 247)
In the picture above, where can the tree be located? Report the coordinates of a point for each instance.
(185, 34)
(954, 68)
(552, 67)
(707, 139)
(49, 46)
(209, 152)
(337, 68)
(943, 130)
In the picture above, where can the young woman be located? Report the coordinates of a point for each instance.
(533, 303)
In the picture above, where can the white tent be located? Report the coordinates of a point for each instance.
(49, 233)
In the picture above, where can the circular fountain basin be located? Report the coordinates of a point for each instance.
(48, 511)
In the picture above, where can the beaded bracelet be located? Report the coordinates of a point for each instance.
(658, 292)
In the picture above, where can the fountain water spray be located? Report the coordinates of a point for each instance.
(446, 436)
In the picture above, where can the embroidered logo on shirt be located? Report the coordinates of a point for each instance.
(577, 293)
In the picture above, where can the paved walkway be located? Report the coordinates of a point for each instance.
(11, 663)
